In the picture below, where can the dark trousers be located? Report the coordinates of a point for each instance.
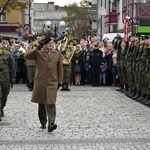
(95, 75)
(42, 114)
(47, 110)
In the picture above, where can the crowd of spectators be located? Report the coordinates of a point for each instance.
(94, 61)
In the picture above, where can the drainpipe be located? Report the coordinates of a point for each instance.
(109, 17)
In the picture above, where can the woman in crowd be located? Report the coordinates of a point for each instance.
(77, 60)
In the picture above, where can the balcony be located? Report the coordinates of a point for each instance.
(143, 10)
(111, 18)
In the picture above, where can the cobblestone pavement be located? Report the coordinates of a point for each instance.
(88, 118)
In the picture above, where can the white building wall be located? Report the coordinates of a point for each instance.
(44, 12)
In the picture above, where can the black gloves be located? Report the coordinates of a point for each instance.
(41, 44)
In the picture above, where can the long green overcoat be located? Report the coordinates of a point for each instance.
(48, 75)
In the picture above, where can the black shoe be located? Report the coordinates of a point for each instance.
(132, 94)
(148, 103)
(137, 96)
(144, 101)
(128, 92)
(97, 85)
(43, 126)
(52, 127)
(141, 98)
(0, 118)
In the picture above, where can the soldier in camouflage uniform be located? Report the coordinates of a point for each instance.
(7, 77)
(146, 55)
(134, 63)
(139, 70)
(123, 78)
(142, 67)
(128, 63)
(117, 46)
(31, 66)
(6, 44)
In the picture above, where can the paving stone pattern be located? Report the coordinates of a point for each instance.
(88, 118)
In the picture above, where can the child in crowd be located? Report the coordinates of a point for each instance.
(103, 68)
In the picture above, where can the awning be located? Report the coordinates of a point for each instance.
(8, 28)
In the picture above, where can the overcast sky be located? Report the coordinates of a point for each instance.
(58, 2)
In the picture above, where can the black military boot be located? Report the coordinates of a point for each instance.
(137, 96)
(67, 88)
(148, 103)
(63, 87)
(132, 93)
(128, 92)
(146, 99)
(30, 86)
(141, 98)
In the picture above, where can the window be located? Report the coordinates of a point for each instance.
(36, 23)
(40, 8)
(41, 23)
(3, 17)
(50, 16)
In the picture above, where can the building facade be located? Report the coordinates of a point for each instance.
(110, 15)
(44, 12)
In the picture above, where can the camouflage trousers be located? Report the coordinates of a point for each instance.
(147, 83)
(0, 101)
(119, 71)
(4, 91)
(130, 79)
(143, 82)
(139, 80)
(31, 73)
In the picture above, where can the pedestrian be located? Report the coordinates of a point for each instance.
(7, 77)
(48, 78)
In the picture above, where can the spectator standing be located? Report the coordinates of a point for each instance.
(96, 58)
(77, 60)
(114, 67)
(103, 69)
(16, 56)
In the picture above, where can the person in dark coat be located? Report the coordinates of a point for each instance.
(48, 78)
(95, 61)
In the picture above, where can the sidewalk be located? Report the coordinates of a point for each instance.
(88, 118)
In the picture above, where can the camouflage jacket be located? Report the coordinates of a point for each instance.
(7, 69)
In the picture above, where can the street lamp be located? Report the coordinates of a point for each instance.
(48, 26)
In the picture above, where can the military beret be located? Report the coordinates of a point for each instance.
(46, 40)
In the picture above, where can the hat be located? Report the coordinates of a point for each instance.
(46, 40)
(68, 30)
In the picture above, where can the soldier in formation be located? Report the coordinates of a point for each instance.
(135, 72)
